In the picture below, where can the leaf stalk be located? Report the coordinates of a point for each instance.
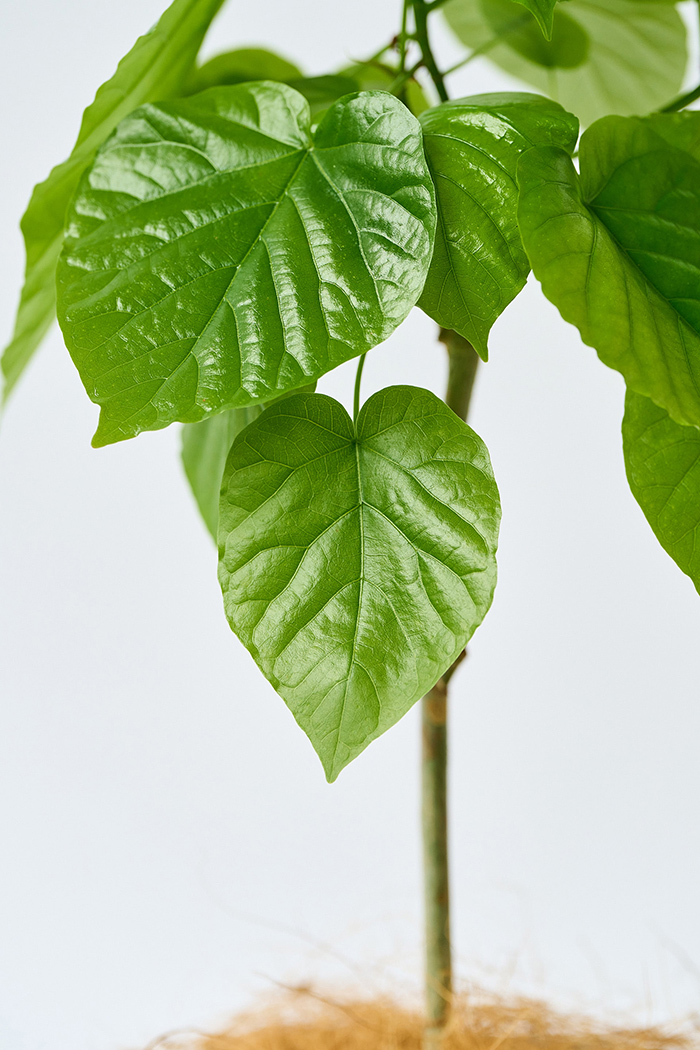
(358, 381)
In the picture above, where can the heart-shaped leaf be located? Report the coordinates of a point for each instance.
(156, 67)
(217, 254)
(663, 468)
(356, 561)
(618, 249)
(472, 146)
(604, 56)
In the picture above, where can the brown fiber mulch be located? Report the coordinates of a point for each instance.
(308, 1022)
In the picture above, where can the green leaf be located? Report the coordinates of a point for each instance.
(605, 56)
(248, 64)
(155, 67)
(472, 146)
(380, 76)
(217, 254)
(543, 10)
(322, 92)
(240, 66)
(663, 468)
(618, 249)
(205, 447)
(356, 562)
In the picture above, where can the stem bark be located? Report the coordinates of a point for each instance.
(463, 362)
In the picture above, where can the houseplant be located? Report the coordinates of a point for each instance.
(540, 128)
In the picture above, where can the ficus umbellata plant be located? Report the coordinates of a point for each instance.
(226, 233)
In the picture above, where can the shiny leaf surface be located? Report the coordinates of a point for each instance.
(618, 249)
(605, 56)
(356, 563)
(217, 254)
(662, 459)
(156, 67)
(472, 146)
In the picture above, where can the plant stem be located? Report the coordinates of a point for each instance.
(402, 36)
(463, 362)
(682, 101)
(358, 380)
(421, 10)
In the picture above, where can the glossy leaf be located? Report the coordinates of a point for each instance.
(156, 67)
(662, 459)
(356, 563)
(605, 56)
(543, 10)
(472, 146)
(218, 254)
(205, 447)
(240, 66)
(618, 249)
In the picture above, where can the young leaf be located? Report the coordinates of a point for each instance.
(543, 10)
(663, 468)
(217, 254)
(472, 147)
(618, 249)
(356, 562)
(156, 67)
(205, 447)
(605, 56)
(239, 66)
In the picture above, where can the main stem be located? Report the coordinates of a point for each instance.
(463, 362)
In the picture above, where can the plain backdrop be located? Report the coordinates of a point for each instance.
(170, 848)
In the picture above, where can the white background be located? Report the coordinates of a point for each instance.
(169, 845)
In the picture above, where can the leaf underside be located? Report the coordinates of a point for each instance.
(156, 67)
(355, 565)
(662, 459)
(618, 249)
(217, 254)
(605, 56)
(205, 446)
(543, 10)
(472, 146)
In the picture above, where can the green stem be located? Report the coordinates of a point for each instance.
(682, 101)
(463, 363)
(421, 10)
(402, 36)
(358, 380)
